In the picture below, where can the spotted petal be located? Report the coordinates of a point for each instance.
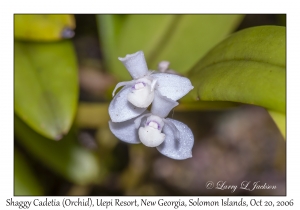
(120, 109)
(136, 64)
(172, 148)
(161, 105)
(172, 86)
(125, 131)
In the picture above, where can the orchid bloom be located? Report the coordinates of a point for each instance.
(172, 138)
(136, 95)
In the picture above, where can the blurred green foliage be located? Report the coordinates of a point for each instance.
(46, 86)
(248, 67)
(25, 183)
(65, 157)
(180, 39)
(43, 27)
(227, 69)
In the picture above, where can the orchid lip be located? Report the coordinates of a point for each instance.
(150, 136)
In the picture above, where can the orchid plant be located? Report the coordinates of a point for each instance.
(128, 109)
(229, 64)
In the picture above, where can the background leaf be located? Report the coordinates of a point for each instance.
(144, 32)
(43, 27)
(65, 157)
(180, 39)
(279, 119)
(192, 37)
(126, 34)
(46, 86)
(25, 181)
(247, 67)
(109, 27)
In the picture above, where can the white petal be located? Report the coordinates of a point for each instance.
(172, 86)
(181, 149)
(151, 137)
(138, 120)
(120, 84)
(125, 131)
(120, 109)
(135, 64)
(161, 105)
(176, 132)
(153, 84)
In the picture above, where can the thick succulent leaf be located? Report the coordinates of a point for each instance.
(25, 181)
(279, 119)
(136, 64)
(161, 105)
(125, 131)
(191, 37)
(120, 109)
(247, 67)
(46, 86)
(43, 27)
(175, 149)
(66, 157)
(172, 85)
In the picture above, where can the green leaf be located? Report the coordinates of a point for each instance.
(121, 35)
(25, 181)
(191, 38)
(180, 39)
(145, 32)
(109, 27)
(205, 106)
(64, 157)
(247, 67)
(279, 119)
(43, 27)
(46, 86)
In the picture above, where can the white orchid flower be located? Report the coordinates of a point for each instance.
(136, 95)
(172, 138)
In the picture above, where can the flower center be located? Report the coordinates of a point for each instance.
(141, 94)
(153, 124)
(139, 85)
